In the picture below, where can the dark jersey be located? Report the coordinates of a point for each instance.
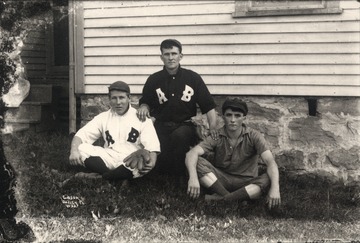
(175, 97)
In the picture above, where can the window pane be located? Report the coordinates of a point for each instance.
(283, 3)
(61, 38)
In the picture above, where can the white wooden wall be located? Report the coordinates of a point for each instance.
(279, 55)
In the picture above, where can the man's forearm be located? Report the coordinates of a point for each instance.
(75, 143)
(273, 172)
(190, 162)
(211, 117)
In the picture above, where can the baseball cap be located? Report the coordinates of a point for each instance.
(168, 43)
(235, 103)
(120, 85)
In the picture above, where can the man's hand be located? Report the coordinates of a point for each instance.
(273, 198)
(214, 133)
(147, 166)
(75, 158)
(139, 159)
(193, 188)
(143, 112)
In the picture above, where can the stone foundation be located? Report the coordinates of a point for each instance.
(325, 143)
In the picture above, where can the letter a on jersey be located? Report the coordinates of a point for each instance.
(187, 93)
(161, 96)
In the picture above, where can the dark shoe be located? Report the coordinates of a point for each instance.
(25, 233)
(11, 231)
(8, 229)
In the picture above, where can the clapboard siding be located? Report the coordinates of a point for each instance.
(279, 48)
(131, 4)
(250, 89)
(248, 79)
(187, 20)
(277, 55)
(166, 10)
(33, 54)
(232, 69)
(229, 38)
(224, 29)
(269, 59)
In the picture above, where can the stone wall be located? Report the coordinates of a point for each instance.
(324, 144)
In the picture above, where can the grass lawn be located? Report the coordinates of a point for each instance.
(62, 208)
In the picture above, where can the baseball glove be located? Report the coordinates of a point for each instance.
(137, 159)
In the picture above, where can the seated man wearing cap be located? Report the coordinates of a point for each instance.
(130, 147)
(233, 173)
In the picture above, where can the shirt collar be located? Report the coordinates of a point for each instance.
(222, 131)
(127, 112)
(178, 73)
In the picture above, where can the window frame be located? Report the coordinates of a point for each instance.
(247, 9)
(51, 68)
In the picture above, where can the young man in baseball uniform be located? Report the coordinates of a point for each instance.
(232, 174)
(131, 146)
(170, 97)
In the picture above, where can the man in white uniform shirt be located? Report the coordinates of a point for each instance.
(131, 146)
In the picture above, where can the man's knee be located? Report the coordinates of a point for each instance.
(208, 180)
(254, 191)
(184, 135)
(258, 186)
(203, 167)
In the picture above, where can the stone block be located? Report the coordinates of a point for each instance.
(346, 128)
(348, 159)
(92, 105)
(306, 131)
(271, 132)
(313, 160)
(339, 105)
(10, 128)
(327, 176)
(269, 114)
(291, 160)
(28, 112)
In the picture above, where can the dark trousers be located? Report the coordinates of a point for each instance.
(175, 141)
(7, 182)
(96, 164)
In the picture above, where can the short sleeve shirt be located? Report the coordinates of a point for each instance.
(241, 160)
(175, 97)
(122, 133)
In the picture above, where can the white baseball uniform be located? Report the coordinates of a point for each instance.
(123, 135)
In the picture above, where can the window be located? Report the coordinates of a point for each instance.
(285, 7)
(58, 37)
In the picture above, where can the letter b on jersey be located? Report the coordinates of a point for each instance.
(133, 135)
(187, 94)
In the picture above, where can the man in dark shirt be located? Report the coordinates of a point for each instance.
(170, 97)
(233, 172)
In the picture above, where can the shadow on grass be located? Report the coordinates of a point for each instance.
(44, 179)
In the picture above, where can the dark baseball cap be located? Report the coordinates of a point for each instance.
(120, 85)
(235, 103)
(169, 43)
